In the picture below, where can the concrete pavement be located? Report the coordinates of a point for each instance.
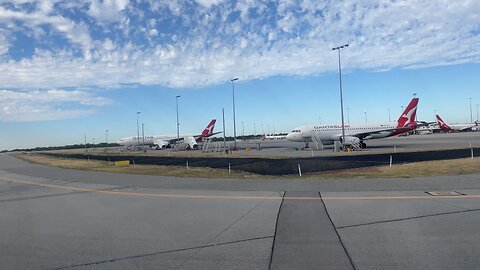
(65, 219)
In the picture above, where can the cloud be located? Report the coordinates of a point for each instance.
(209, 3)
(107, 11)
(4, 44)
(178, 44)
(55, 104)
(20, 21)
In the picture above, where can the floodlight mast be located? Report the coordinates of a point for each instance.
(341, 94)
(178, 124)
(138, 131)
(234, 124)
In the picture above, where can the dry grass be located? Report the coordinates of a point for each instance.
(427, 168)
(409, 170)
(104, 166)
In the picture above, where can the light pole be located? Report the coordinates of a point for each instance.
(243, 131)
(255, 129)
(366, 117)
(234, 124)
(341, 94)
(138, 131)
(93, 144)
(477, 112)
(389, 119)
(106, 140)
(471, 115)
(178, 124)
(348, 116)
(224, 139)
(143, 136)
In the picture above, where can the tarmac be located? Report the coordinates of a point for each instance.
(425, 142)
(282, 157)
(52, 218)
(287, 149)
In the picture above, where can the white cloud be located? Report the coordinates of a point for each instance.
(153, 32)
(77, 33)
(209, 3)
(107, 11)
(4, 44)
(250, 40)
(53, 104)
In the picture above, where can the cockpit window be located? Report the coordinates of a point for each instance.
(295, 131)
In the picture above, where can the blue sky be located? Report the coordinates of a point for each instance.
(74, 67)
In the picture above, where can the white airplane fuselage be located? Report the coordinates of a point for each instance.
(148, 140)
(328, 134)
(456, 127)
(165, 141)
(462, 127)
(356, 134)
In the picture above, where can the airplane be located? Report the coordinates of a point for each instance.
(273, 137)
(456, 127)
(163, 141)
(356, 134)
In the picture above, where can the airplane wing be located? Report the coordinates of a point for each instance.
(371, 134)
(424, 123)
(201, 135)
(380, 133)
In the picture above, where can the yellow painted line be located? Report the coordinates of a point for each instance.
(166, 195)
(72, 188)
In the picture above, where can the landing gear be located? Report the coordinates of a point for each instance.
(363, 145)
(306, 145)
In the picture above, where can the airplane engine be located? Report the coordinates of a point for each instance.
(161, 144)
(191, 142)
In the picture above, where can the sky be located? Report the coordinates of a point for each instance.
(70, 69)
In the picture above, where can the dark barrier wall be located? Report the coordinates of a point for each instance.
(267, 166)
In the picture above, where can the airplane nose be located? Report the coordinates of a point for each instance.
(289, 136)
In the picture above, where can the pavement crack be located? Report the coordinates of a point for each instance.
(336, 231)
(407, 218)
(275, 232)
(165, 252)
(224, 230)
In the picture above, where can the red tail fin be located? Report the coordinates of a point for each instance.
(443, 126)
(408, 116)
(208, 131)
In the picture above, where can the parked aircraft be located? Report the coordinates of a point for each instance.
(163, 141)
(356, 134)
(273, 137)
(456, 127)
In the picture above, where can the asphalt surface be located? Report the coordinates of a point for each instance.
(285, 148)
(54, 218)
(400, 143)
